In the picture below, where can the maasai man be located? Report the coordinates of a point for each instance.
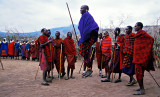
(57, 46)
(4, 48)
(128, 66)
(116, 57)
(99, 52)
(33, 51)
(89, 33)
(11, 49)
(28, 47)
(70, 52)
(45, 55)
(16, 51)
(106, 51)
(142, 55)
(23, 51)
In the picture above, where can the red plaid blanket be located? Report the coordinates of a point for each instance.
(143, 48)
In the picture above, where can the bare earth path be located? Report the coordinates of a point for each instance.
(17, 80)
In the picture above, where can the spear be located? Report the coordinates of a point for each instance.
(60, 62)
(51, 62)
(72, 22)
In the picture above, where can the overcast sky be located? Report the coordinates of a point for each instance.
(32, 15)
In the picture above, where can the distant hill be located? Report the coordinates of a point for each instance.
(63, 31)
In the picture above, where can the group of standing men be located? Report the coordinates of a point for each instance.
(132, 53)
(53, 51)
(15, 49)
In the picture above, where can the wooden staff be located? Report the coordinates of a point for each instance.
(60, 62)
(101, 64)
(113, 61)
(37, 72)
(72, 22)
(81, 67)
(154, 80)
(51, 62)
(1, 63)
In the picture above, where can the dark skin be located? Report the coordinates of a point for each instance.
(68, 68)
(140, 81)
(84, 8)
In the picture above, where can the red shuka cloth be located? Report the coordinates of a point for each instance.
(128, 49)
(143, 53)
(43, 39)
(10, 48)
(69, 47)
(98, 54)
(57, 42)
(33, 51)
(15, 51)
(120, 41)
(37, 48)
(70, 51)
(107, 46)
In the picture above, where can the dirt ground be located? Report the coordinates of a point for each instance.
(18, 80)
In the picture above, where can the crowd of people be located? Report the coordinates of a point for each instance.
(14, 50)
(131, 54)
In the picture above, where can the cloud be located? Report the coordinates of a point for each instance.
(31, 15)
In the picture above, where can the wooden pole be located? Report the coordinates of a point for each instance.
(72, 21)
(81, 67)
(51, 62)
(154, 80)
(101, 64)
(37, 72)
(113, 61)
(60, 62)
(1, 63)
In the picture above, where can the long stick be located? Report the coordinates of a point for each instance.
(60, 62)
(113, 61)
(72, 22)
(1, 63)
(81, 67)
(101, 64)
(51, 62)
(154, 79)
(37, 72)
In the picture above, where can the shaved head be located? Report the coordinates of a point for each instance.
(84, 8)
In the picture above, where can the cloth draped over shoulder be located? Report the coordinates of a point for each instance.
(128, 49)
(28, 46)
(143, 46)
(11, 48)
(43, 39)
(107, 46)
(4, 46)
(69, 47)
(120, 41)
(57, 42)
(17, 48)
(98, 54)
(86, 25)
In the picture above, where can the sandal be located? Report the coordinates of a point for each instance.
(139, 93)
(118, 80)
(45, 84)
